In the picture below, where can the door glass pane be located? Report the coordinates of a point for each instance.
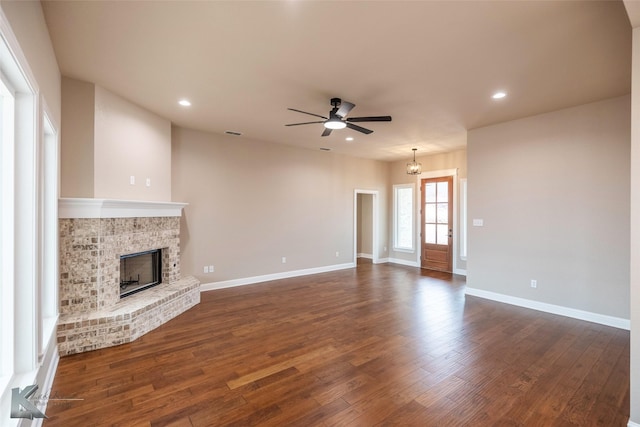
(430, 212)
(443, 191)
(443, 213)
(443, 234)
(430, 192)
(429, 233)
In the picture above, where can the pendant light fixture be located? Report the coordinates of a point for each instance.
(414, 168)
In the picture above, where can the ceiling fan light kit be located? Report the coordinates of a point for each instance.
(414, 168)
(335, 124)
(337, 118)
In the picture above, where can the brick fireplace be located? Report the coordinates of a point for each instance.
(94, 234)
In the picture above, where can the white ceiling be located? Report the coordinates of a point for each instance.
(431, 65)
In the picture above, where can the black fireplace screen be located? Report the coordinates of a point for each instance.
(140, 271)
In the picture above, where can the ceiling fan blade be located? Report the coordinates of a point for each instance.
(311, 114)
(344, 109)
(305, 123)
(370, 119)
(326, 132)
(359, 129)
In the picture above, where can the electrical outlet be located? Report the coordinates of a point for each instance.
(211, 269)
(534, 283)
(148, 182)
(337, 254)
(132, 180)
(284, 259)
(206, 269)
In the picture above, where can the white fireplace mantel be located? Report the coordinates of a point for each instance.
(113, 208)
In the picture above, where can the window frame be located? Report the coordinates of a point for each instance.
(7, 235)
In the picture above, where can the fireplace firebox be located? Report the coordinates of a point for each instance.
(140, 271)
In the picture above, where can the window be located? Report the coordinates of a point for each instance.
(403, 217)
(48, 185)
(28, 223)
(463, 218)
(7, 106)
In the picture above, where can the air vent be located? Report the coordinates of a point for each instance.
(232, 132)
(325, 149)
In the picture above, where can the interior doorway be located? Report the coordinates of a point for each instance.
(365, 241)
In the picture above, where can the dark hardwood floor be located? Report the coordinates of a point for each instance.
(377, 345)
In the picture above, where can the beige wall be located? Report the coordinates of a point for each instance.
(77, 152)
(106, 140)
(553, 192)
(635, 230)
(437, 162)
(28, 25)
(130, 141)
(252, 203)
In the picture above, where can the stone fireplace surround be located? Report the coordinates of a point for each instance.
(94, 233)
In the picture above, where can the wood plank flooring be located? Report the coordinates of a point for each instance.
(377, 345)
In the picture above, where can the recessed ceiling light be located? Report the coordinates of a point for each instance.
(349, 138)
(184, 103)
(499, 95)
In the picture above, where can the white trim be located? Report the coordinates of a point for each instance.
(374, 232)
(616, 322)
(367, 256)
(275, 276)
(111, 208)
(632, 424)
(6, 32)
(48, 376)
(404, 262)
(460, 271)
(43, 377)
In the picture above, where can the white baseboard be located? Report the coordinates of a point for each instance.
(616, 322)
(381, 261)
(275, 276)
(632, 424)
(460, 271)
(403, 262)
(43, 377)
(47, 374)
(367, 256)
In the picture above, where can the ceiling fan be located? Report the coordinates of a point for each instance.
(337, 120)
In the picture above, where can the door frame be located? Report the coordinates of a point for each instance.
(437, 174)
(374, 231)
